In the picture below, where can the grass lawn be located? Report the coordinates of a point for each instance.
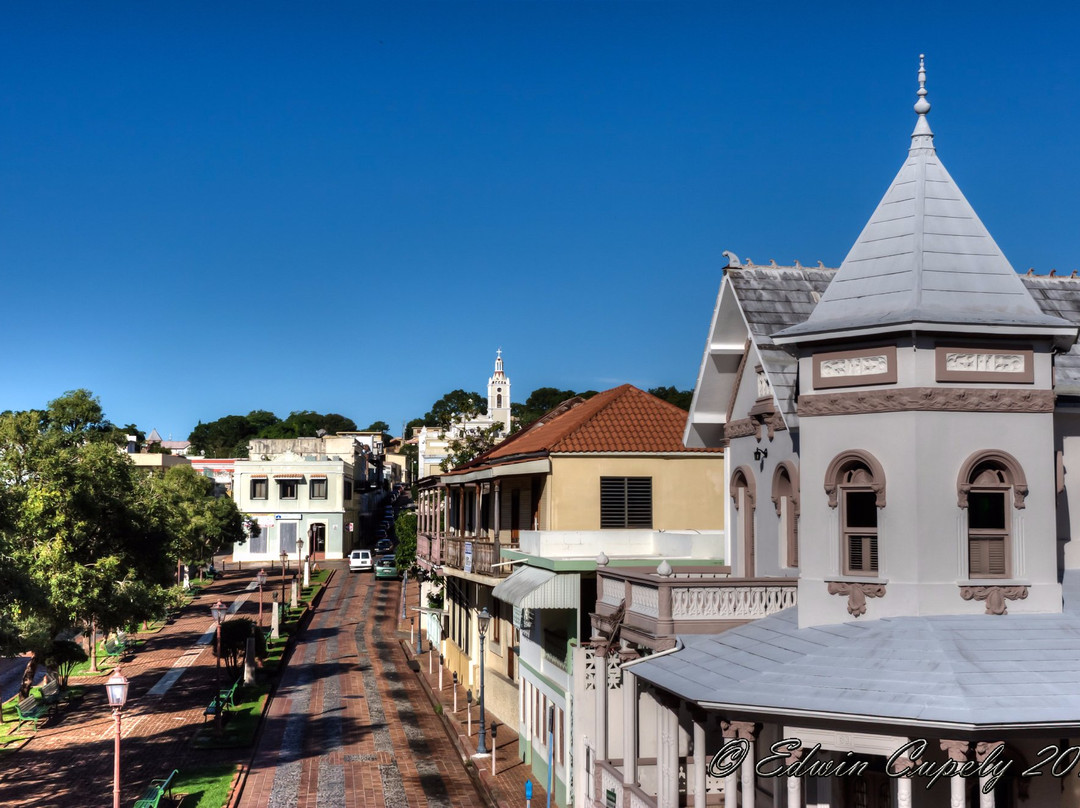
(240, 723)
(205, 788)
(10, 737)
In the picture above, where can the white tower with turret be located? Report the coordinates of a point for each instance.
(499, 393)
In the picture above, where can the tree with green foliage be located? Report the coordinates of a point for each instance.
(78, 543)
(307, 423)
(378, 426)
(228, 436)
(405, 533)
(454, 407)
(235, 633)
(541, 401)
(469, 442)
(197, 523)
(672, 395)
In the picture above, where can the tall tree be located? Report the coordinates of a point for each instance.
(70, 521)
(672, 395)
(378, 426)
(457, 405)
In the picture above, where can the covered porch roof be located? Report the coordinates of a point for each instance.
(974, 672)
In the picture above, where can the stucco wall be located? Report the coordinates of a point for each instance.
(687, 491)
(921, 530)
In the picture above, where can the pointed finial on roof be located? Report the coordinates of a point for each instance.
(922, 136)
(733, 261)
(797, 264)
(1053, 273)
(1031, 271)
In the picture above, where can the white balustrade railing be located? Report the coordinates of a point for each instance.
(730, 602)
(645, 600)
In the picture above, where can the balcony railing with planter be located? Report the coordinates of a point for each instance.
(653, 608)
(485, 555)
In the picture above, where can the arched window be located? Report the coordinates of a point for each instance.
(855, 482)
(743, 494)
(785, 498)
(990, 486)
(498, 401)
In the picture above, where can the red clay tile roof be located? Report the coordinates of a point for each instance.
(623, 419)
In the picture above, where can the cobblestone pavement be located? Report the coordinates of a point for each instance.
(69, 760)
(351, 725)
(507, 785)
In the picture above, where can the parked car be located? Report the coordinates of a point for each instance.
(386, 567)
(360, 560)
(384, 546)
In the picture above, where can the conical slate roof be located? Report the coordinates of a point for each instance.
(923, 258)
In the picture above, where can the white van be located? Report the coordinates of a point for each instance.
(360, 560)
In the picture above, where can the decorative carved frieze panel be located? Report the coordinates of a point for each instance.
(764, 389)
(852, 368)
(995, 596)
(938, 399)
(857, 593)
(985, 365)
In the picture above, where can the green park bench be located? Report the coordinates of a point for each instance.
(50, 691)
(115, 647)
(224, 700)
(30, 709)
(151, 798)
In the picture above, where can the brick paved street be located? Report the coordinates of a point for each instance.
(351, 724)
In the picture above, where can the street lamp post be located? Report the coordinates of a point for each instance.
(482, 622)
(284, 561)
(299, 550)
(117, 689)
(218, 611)
(261, 578)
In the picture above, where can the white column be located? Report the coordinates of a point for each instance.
(958, 752)
(630, 728)
(667, 752)
(794, 784)
(748, 731)
(699, 758)
(983, 749)
(731, 782)
(601, 703)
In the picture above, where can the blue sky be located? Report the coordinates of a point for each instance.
(211, 208)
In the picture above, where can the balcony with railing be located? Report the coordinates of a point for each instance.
(429, 549)
(652, 608)
(475, 555)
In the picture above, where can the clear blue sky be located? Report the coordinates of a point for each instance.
(213, 208)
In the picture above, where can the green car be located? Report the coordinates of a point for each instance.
(386, 567)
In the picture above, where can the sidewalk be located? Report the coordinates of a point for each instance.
(68, 761)
(507, 788)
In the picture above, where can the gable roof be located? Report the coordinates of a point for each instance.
(623, 419)
(924, 258)
(771, 300)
